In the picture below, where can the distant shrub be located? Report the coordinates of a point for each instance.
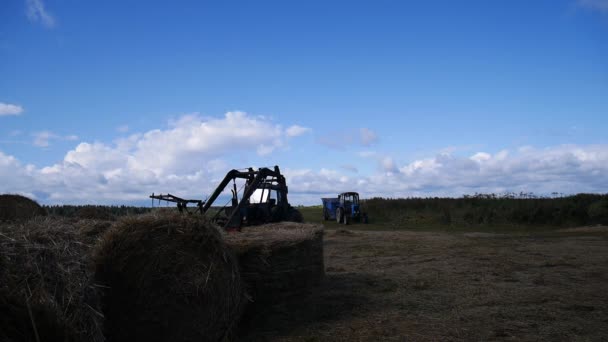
(598, 212)
(523, 209)
(94, 212)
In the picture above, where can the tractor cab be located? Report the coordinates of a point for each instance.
(344, 208)
(349, 201)
(263, 199)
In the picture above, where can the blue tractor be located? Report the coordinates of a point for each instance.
(344, 209)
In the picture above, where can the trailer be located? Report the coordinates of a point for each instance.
(344, 208)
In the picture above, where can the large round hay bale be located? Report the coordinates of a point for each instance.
(17, 207)
(169, 277)
(94, 212)
(279, 260)
(47, 292)
(92, 231)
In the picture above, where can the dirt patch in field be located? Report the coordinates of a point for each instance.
(423, 286)
(485, 235)
(588, 229)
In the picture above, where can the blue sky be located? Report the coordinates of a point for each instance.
(108, 101)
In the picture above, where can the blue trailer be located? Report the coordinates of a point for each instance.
(344, 208)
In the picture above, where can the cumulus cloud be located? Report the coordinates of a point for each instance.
(297, 130)
(599, 5)
(186, 157)
(191, 139)
(564, 169)
(37, 13)
(10, 109)
(388, 165)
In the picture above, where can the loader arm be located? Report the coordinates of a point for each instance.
(232, 174)
(264, 179)
(252, 186)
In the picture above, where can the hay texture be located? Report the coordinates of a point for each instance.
(91, 231)
(279, 260)
(169, 277)
(47, 292)
(17, 208)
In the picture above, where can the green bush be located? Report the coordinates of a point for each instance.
(598, 212)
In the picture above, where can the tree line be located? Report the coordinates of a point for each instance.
(502, 209)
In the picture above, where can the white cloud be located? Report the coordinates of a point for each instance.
(10, 109)
(192, 139)
(37, 13)
(367, 154)
(565, 169)
(122, 128)
(296, 130)
(367, 136)
(188, 158)
(349, 167)
(480, 157)
(184, 158)
(347, 138)
(600, 5)
(44, 138)
(388, 164)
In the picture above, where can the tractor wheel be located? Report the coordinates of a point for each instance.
(325, 214)
(339, 215)
(346, 219)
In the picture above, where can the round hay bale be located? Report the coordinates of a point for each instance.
(279, 260)
(92, 230)
(94, 212)
(169, 278)
(47, 291)
(17, 207)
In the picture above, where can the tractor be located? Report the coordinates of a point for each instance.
(264, 200)
(344, 209)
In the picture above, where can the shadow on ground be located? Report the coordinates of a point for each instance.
(338, 296)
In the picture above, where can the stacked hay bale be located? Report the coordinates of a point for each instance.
(169, 277)
(17, 207)
(155, 277)
(47, 292)
(279, 260)
(91, 231)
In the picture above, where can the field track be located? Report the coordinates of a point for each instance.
(430, 286)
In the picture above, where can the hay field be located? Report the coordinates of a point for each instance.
(398, 285)
(436, 286)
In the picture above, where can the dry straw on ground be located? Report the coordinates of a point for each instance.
(170, 277)
(279, 259)
(46, 288)
(17, 207)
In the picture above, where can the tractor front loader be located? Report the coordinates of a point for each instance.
(263, 200)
